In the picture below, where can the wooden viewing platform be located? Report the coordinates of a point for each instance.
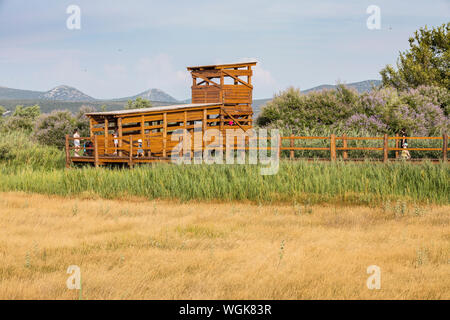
(221, 100)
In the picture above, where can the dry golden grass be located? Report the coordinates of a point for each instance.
(162, 250)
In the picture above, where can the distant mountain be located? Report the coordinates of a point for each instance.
(60, 93)
(11, 94)
(152, 95)
(361, 87)
(66, 93)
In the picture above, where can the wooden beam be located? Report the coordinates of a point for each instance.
(204, 122)
(385, 148)
(396, 146)
(232, 118)
(119, 124)
(96, 151)
(67, 152)
(444, 147)
(164, 134)
(106, 135)
(344, 144)
(197, 75)
(292, 146)
(333, 147)
(185, 133)
(237, 79)
(130, 156)
(91, 126)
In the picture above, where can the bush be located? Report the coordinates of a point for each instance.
(52, 128)
(422, 111)
(17, 150)
(23, 118)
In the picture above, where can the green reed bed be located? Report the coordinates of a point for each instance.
(313, 182)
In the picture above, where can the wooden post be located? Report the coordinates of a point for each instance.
(185, 132)
(396, 146)
(344, 145)
(91, 126)
(279, 147)
(333, 147)
(95, 151)
(292, 147)
(444, 147)
(119, 124)
(181, 144)
(106, 135)
(221, 97)
(164, 134)
(67, 152)
(205, 118)
(130, 159)
(221, 122)
(385, 148)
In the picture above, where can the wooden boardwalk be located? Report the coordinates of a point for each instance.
(127, 153)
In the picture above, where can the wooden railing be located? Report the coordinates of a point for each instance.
(127, 148)
(333, 148)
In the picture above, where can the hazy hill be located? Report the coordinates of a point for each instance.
(361, 86)
(10, 93)
(67, 93)
(152, 95)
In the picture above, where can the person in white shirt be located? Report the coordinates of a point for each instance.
(76, 142)
(116, 141)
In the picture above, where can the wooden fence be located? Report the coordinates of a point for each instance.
(102, 152)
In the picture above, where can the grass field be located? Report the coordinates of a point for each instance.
(344, 183)
(138, 249)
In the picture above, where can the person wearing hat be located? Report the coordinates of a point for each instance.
(140, 150)
(405, 153)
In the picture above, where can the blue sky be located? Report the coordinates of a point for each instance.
(125, 47)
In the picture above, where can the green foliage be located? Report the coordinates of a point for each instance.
(139, 103)
(23, 118)
(52, 128)
(292, 110)
(423, 111)
(2, 111)
(18, 150)
(427, 62)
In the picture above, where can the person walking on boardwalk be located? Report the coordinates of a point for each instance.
(140, 150)
(403, 134)
(405, 153)
(116, 141)
(76, 142)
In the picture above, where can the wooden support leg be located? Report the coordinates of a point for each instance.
(385, 148)
(444, 147)
(130, 160)
(67, 152)
(96, 162)
(396, 146)
(333, 147)
(292, 147)
(344, 145)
